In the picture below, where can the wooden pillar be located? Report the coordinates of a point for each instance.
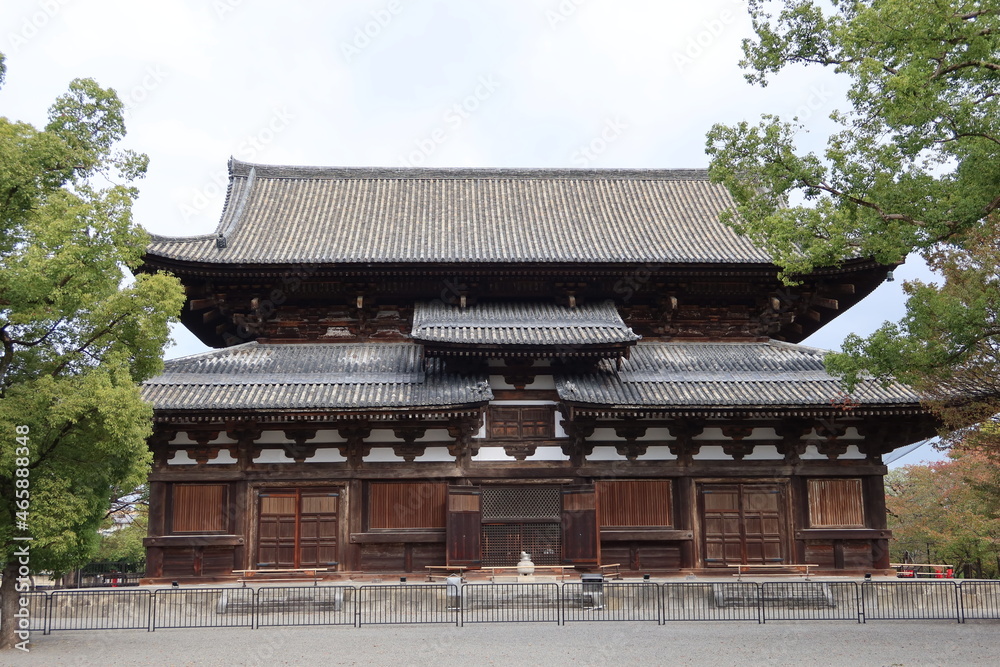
(156, 527)
(352, 516)
(684, 516)
(800, 515)
(874, 499)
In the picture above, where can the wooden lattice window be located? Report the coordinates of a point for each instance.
(402, 505)
(199, 508)
(635, 503)
(535, 422)
(836, 503)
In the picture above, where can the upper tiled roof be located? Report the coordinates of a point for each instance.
(282, 215)
(310, 377)
(517, 324)
(723, 375)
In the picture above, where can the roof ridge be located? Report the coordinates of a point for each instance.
(240, 169)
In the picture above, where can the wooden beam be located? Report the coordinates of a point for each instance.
(824, 302)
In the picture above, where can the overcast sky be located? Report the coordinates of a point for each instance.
(450, 83)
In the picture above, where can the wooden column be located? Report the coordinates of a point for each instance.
(874, 495)
(800, 515)
(156, 527)
(684, 516)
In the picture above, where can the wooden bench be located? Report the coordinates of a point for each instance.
(445, 571)
(917, 570)
(756, 569)
(281, 574)
(556, 570)
(611, 568)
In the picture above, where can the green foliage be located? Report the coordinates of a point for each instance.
(77, 333)
(914, 167)
(947, 513)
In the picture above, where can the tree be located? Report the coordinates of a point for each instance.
(76, 335)
(914, 167)
(944, 512)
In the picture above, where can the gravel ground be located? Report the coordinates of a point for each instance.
(625, 643)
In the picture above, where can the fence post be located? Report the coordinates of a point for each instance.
(960, 602)
(47, 615)
(152, 611)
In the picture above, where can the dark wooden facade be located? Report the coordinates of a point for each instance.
(383, 412)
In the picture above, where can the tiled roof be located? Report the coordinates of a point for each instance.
(283, 215)
(505, 324)
(722, 375)
(312, 376)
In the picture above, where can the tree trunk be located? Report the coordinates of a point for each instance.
(8, 604)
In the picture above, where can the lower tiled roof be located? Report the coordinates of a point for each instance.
(723, 375)
(349, 376)
(518, 324)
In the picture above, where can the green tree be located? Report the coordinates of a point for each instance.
(913, 167)
(945, 512)
(76, 336)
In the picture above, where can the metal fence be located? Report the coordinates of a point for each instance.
(110, 609)
(99, 610)
(405, 603)
(203, 608)
(306, 605)
(899, 600)
(603, 601)
(506, 603)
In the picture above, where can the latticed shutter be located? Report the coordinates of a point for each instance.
(579, 526)
(464, 525)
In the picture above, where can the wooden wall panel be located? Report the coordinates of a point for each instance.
(635, 503)
(400, 505)
(199, 508)
(836, 503)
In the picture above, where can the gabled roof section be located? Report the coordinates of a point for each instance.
(324, 215)
(691, 376)
(348, 376)
(514, 324)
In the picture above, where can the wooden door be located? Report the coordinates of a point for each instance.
(464, 526)
(742, 524)
(579, 526)
(297, 528)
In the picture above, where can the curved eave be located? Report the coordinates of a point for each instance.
(152, 262)
(603, 351)
(743, 411)
(331, 415)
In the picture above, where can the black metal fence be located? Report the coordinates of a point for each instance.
(147, 609)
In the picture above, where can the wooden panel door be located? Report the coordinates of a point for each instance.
(317, 528)
(297, 528)
(276, 530)
(464, 525)
(742, 524)
(579, 526)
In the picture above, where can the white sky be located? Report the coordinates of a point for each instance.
(447, 83)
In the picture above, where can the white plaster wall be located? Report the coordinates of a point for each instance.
(605, 454)
(436, 454)
(548, 454)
